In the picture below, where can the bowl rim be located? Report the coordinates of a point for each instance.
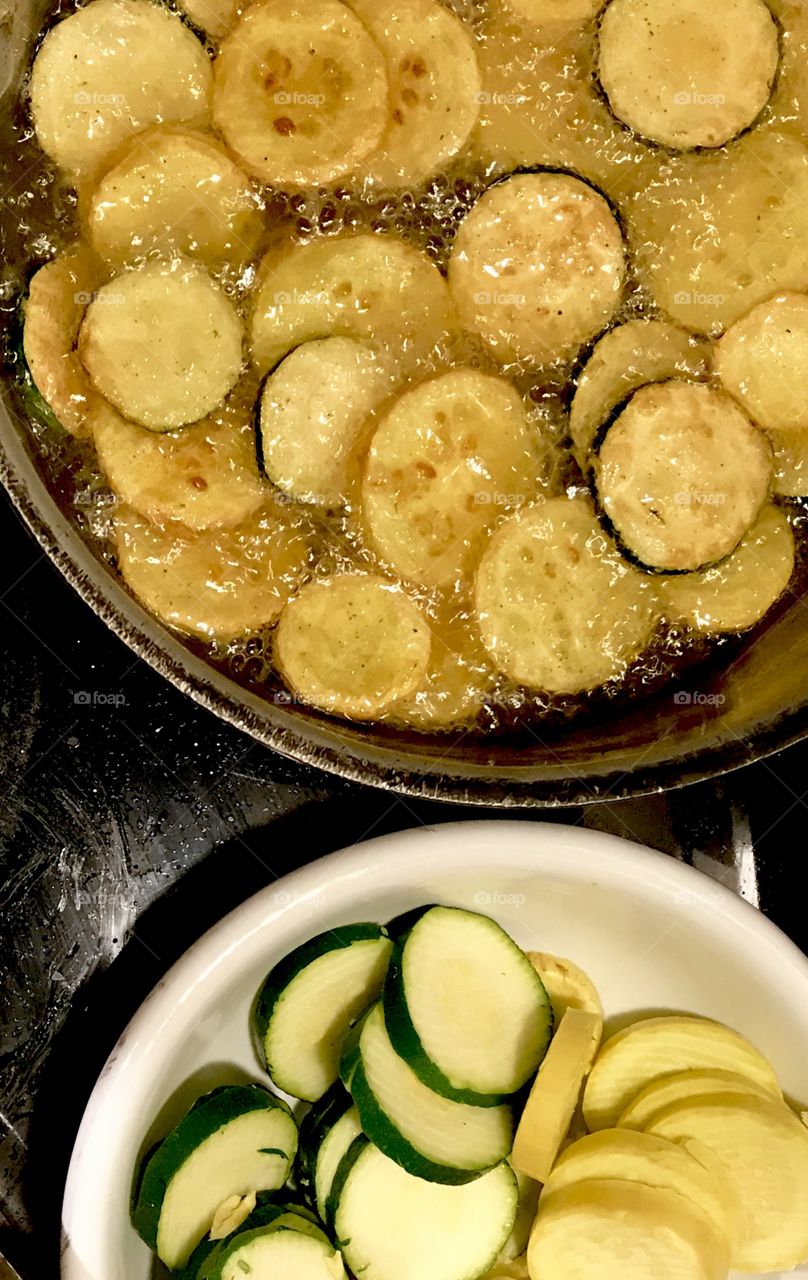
(574, 854)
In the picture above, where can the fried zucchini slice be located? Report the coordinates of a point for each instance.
(681, 1085)
(538, 267)
(444, 462)
(52, 314)
(215, 583)
(739, 591)
(682, 474)
(558, 608)
(205, 476)
(364, 286)
(353, 645)
(686, 74)
(714, 234)
(614, 1228)
(654, 1047)
(625, 358)
(751, 1136)
(434, 88)
(177, 193)
(763, 361)
(459, 680)
(214, 17)
(109, 70)
(300, 91)
(314, 412)
(163, 344)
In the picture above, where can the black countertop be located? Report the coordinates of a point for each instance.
(132, 820)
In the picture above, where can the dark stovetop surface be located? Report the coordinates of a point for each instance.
(132, 820)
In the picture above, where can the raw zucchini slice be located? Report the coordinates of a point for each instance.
(177, 193)
(465, 1007)
(459, 681)
(764, 1148)
(310, 999)
(326, 1133)
(109, 70)
(567, 986)
(275, 1251)
(620, 1229)
(205, 476)
(434, 88)
(233, 1141)
(314, 413)
(625, 358)
(558, 608)
(445, 461)
(353, 645)
(514, 1247)
(686, 74)
(365, 286)
(163, 344)
(739, 591)
(713, 234)
(215, 583)
(549, 1110)
(681, 1085)
(392, 1226)
(214, 17)
(651, 1162)
(790, 463)
(634, 1057)
(300, 91)
(430, 1136)
(538, 267)
(763, 361)
(682, 474)
(53, 311)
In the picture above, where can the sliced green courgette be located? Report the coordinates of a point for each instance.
(282, 1250)
(682, 474)
(309, 1001)
(392, 1226)
(429, 1135)
(326, 1133)
(235, 1140)
(684, 73)
(465, 1007)
(267, 1209)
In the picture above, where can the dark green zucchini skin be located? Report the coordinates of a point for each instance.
(206, 1117)
(314, 1128)
(354, 1152)
(268, 1208)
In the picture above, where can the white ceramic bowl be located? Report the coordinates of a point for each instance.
(653, 933)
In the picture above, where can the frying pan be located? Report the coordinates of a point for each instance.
(749, 700)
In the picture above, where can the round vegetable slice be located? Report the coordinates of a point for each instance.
(763, 361)
(326, 1133)
(550, 1108)
(443, 463)
(642, 1052)
(392, 1226)
(300, 91)
(714, 234)
(163, 344)
(625, 358)
(430, 1136)
(558, 608)
(310, 999)
(314, 414)
(665, 1090)
(353, 645)
(687, 74)
(53, 311)
(109, 70)
(616, 1228)
(764, 1148)
(739, 591)
(512, 1252)
(178, 193)
(538, 267)
(279, 1249)
(434, 88)
(567, 986)
(477, 1031)
(364, 286)
(682, 474)
(205, 476)
(215, 583)
(652, 1162)
(235, 1140)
